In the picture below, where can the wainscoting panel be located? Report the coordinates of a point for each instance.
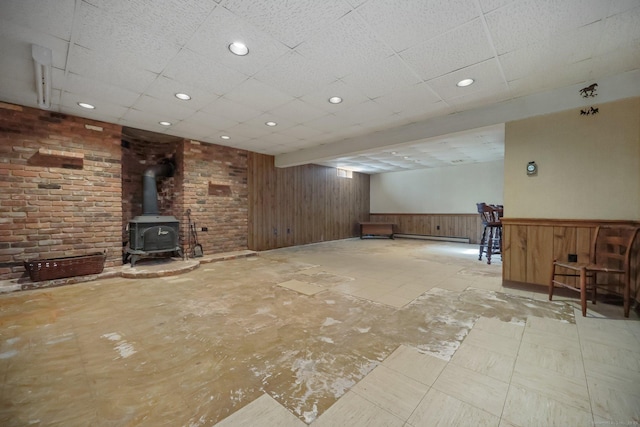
(531, 245)
(442, 225)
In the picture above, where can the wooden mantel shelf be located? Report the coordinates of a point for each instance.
(63, 154)
(49, 158)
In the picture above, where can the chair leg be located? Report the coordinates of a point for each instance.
(483, 239)
(490, 245)
(583, 291)
(627, 294)
(553, 275)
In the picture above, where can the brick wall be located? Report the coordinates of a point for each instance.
(215, 189)
(60, 187)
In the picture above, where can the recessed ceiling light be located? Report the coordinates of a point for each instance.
(406, 157)
(394, 152)
(238, 48)
(183, 96)
(165, 123)
(335, 100)
(225, 137)
(85, 105)
(465, 82)
(271, 124)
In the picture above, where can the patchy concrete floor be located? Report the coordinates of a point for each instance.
(295, 328)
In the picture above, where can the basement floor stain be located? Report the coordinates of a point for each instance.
(192, 349)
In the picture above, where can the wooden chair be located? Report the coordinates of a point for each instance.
(491, 240)
(609, 257)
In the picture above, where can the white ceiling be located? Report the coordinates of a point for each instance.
(395, 63)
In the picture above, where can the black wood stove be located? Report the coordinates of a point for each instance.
(151, 233)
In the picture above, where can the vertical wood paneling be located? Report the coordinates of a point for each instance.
(302, 204)
(530, 246)
(451, 225)
(540, 242)
(519, 253)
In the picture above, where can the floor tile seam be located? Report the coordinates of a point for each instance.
(589, 391)
(563, 352)
(513, 368)
(395, 371)
(467, 403)
(400, 417)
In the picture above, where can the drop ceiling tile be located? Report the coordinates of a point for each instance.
(621, 30)
(619, 6)
(163, 110)
(366, 112)
(298, 111)
(165, 89)
(304, 132)
(383, 77)
(16, 41)
(460, 47)
(89, 63)
(143, 120)
(420, 20)
(223, 28)
(248, 132)
(489, 5)
(175, 19)
(295, 75)
(346, 45)
(203, 72)
(410, 98)
(350, 95)
(519, 23)
(215, 122)
(621, 60)
(132, 45)
(282, 123)
(279, 138)
(95, 89)
(565, 75)
(104, 111)
(290, 22)
(51, 17)
(256, 94)
(488, 95)
(486, 74)
(232, 110)
(541, 55)
(330, 123)
(193, 130)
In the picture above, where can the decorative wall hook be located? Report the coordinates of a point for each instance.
(589, 91)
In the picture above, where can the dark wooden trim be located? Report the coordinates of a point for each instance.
(426, 214)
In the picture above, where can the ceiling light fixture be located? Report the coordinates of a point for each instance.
(225, 137)
(42, 58)
(335, 100)
(182, 96)
(271, 124)
(165, 123)
(238, 48)
(86, 105)
(465, 82)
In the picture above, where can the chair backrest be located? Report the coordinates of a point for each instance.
(612, 246)
(490, 214)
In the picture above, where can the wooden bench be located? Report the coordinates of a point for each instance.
(376, 229)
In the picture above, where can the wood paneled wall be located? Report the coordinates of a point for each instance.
(445, 225)
(302, 204)
(530, 245)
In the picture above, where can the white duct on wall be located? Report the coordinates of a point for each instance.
(42, 58)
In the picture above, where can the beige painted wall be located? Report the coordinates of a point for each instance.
(588, 166)
(454, 189)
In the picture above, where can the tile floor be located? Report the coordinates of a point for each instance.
(509, 357)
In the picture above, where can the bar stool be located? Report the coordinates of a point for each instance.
(491, 240)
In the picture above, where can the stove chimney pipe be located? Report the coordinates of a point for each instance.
(149, 188)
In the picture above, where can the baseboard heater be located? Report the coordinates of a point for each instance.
(438, 238)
